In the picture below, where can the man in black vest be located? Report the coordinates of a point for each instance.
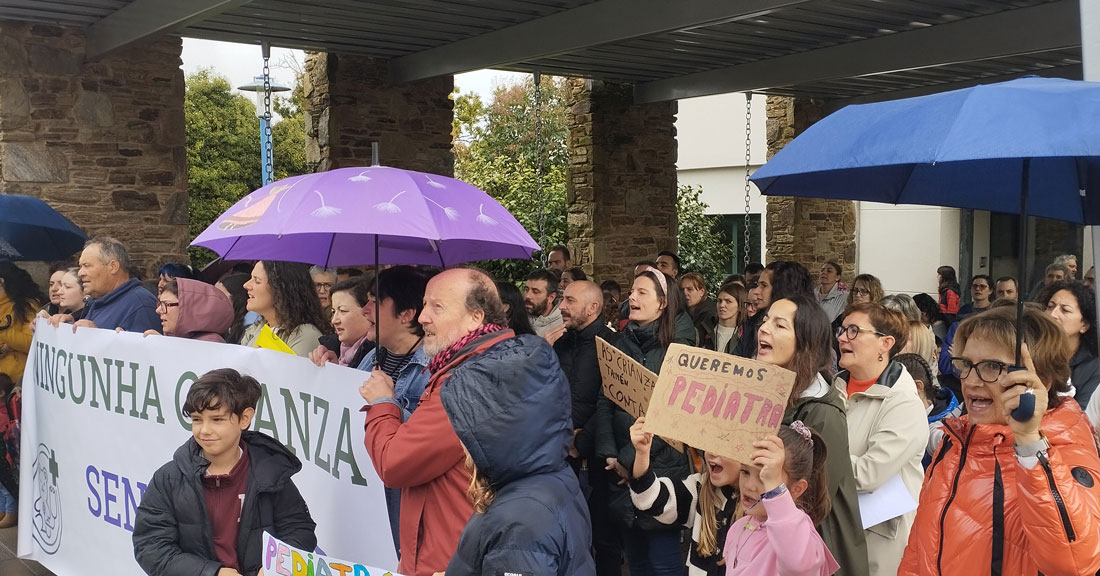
(575, 343)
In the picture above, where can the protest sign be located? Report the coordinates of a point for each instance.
(282, 559)
(717, 402)
(625, 381)
(103, 412)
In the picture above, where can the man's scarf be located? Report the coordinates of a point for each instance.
(443, 358)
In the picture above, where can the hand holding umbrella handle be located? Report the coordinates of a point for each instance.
(1026, 410)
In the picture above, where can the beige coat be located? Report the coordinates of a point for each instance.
(887, 432)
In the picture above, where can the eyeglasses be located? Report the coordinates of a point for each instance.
(326, 286)
(861, 292)
(988, 370)
(162, 305)
(852, 331)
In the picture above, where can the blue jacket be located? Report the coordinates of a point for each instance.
(510, 407)
(410, 382)
(130, 307)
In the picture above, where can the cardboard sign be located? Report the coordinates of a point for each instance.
(625, 381)
(717, 402)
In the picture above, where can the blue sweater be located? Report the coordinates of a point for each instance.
(130, 307)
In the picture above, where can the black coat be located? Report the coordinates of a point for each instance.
(746, 347)
(172, 533)
(515, 424)
(577, 355)
(613, 430)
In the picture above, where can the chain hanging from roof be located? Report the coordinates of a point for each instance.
(538, 166)
(269, 170)
(748, 185)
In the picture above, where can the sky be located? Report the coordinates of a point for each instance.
(239, 63)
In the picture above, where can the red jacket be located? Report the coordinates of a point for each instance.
(1051, 513)
(424, 458)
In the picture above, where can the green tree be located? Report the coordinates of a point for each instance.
(700, 244)
(223, 150)
(495, 150)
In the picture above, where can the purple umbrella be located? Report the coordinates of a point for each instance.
(354, 216)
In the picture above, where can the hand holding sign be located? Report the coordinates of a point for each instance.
(642, 442)
(717, 402)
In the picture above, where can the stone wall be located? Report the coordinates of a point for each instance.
(102, 142)
(351, 104)
(621, 180)
(806, 230)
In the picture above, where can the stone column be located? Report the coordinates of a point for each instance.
(351, 104)
(809, 231)
(102, 142)
(621, 180)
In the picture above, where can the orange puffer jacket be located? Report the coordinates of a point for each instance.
(979, 507)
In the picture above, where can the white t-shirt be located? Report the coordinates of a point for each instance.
(724, 335)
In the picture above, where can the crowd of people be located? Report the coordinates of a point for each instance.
(500, 454)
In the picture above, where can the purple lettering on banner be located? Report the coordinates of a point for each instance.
(272, 551)
(695, 388)
(91, 488)
(108, 497)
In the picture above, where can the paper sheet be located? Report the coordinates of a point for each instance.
(891, 500)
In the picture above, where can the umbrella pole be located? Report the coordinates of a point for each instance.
(1022, 262)
(378, 299)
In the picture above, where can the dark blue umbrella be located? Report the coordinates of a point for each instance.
(35, 231)
(1029, 146)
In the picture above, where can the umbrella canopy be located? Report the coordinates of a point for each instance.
(36, 232)
(965, 148)
(354, 216)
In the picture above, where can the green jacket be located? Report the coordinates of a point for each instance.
(842, 529)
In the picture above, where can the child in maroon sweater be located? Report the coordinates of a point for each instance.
(205, 512)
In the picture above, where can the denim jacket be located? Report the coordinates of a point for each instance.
(410, 382)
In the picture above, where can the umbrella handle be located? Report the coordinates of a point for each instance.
(1026, 410)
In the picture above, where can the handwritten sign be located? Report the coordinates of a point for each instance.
(717, 402)
(282, 559)
(625, 381)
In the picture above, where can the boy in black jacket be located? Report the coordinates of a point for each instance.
(204, 513)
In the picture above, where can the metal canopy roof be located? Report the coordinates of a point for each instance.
(840, 50)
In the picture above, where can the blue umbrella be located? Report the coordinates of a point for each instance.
(36, 232)
(1029, 146)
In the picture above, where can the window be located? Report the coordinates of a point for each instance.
(732, 229)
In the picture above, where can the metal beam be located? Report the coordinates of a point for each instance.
(568, 31)
(1069, 72)
(1051, 26)
(144, 18)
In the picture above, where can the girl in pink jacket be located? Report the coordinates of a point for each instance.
(784, 496)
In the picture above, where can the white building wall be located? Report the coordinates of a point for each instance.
(903, 245)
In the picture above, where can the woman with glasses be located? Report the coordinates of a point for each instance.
(1009, 496)
(193, 309)
(795, 335)
(887, 422)
(278, 292)
(865, 289)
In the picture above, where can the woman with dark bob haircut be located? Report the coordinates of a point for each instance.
(1073, 305)
(1003, 495)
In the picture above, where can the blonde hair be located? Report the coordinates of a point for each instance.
(708, 515)
(921, 342)
(480, 493)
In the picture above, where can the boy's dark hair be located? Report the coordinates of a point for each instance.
(404, 285)
(222, 387)
(753, 268)
(564, 252)
(547, 276)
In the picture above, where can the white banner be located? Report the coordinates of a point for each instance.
(102, 412)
